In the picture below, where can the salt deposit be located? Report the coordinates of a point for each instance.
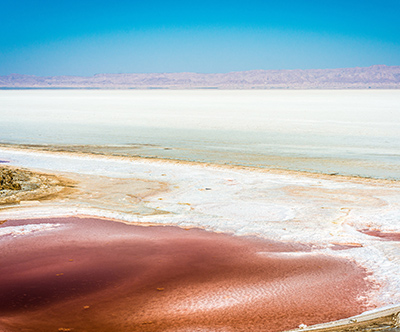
(26, 229)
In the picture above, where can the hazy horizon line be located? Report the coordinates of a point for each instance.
(201, 73)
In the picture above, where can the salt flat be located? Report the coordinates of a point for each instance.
(351, 132)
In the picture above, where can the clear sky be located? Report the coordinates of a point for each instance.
(85, 37)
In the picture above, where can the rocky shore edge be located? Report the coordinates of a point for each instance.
(18, 184)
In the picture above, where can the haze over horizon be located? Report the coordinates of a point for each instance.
(47, 38)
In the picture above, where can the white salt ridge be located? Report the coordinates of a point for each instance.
(248, 211)
(386, 220)
(284, 207)
(27, 229)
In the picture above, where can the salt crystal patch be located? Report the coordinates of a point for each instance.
(384, 220)
(27, 229)
(249, 211)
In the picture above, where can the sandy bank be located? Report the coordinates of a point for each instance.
(27, 188)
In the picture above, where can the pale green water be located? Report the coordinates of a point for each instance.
(352, 132)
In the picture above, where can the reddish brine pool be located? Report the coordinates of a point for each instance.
(90, 274)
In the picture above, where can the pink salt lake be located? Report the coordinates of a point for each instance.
(90, 274)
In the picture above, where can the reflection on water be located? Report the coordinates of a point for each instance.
(353, 132)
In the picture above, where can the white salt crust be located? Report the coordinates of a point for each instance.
(27, 229)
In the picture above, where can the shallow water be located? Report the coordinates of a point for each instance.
(88, 274)
(352, 132)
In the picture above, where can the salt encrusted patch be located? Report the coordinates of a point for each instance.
(27, 229)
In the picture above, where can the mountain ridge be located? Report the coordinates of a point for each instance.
(375, 77)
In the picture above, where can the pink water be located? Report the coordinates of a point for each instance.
(388, 236)
(98, 275)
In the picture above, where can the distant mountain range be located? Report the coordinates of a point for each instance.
(374, 77)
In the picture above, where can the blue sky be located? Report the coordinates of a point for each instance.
(87, 37)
